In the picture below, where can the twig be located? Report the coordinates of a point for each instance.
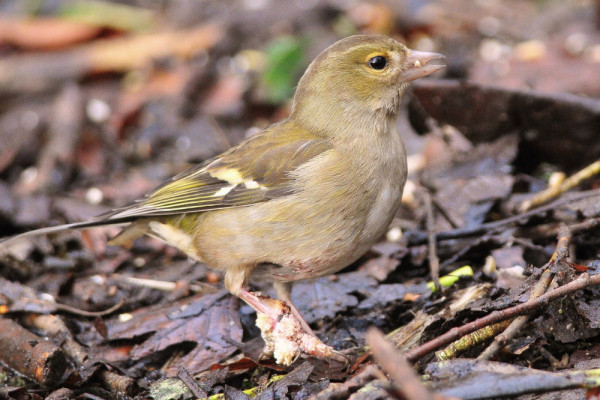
(550, 357)
(77, 311)
(582, 282)
(560, 254)
(343, 390)
(118, 384)
(434, 262)
(496, 225)
(552, 192)
(517, 324)
(54, 326)
(190, 383)
(408, 336)
(551, 229)
(492, 380)
(472, 339)
(399, 370)
(585, 225)
(165, 285)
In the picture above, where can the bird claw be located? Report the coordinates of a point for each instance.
(285, 338)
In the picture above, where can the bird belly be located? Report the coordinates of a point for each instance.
(293, 243)
(332, 247)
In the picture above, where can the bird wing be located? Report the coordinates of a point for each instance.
(257, 170)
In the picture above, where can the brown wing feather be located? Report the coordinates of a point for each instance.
(257, 170)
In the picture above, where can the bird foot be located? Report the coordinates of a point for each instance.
(285, 337)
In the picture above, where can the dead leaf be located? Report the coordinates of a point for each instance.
(205, 321)
(467, 188)
(321, 298)
(45, 33)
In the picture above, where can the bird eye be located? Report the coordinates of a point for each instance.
(378, 62)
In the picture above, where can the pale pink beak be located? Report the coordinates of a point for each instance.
(417, 64)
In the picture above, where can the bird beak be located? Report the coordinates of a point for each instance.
(417, 64)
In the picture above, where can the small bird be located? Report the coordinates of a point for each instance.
(304, 198)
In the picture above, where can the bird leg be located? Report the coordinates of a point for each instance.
(284, 293)
(285, 335)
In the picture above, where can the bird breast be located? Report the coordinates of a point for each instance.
(333, 229)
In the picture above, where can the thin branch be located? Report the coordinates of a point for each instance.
(54, 326)
(517, 324)
(561, 253)
(343, 390)
(434, 262)
(496, 225)
(165, 286)
(77, 311)
(555, 191)
(471, 340)
(400, 371)
(191, 383)
(582, 282)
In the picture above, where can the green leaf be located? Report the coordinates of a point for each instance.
(450, 279)
(285, 62)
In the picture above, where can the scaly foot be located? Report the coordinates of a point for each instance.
(285, 337)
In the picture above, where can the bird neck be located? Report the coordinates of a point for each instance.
(343, 121)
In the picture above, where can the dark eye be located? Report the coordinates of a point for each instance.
(378, 62)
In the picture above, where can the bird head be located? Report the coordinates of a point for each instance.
(359, 78)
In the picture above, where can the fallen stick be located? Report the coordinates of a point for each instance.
(54, 326)
(30, 355)
(399, 370)
(555, 191)
(560, 255)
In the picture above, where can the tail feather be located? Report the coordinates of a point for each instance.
(4, 242)
(113, 217)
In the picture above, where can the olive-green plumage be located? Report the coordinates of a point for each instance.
(305, 197)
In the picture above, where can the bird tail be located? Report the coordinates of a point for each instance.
(5, 242)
